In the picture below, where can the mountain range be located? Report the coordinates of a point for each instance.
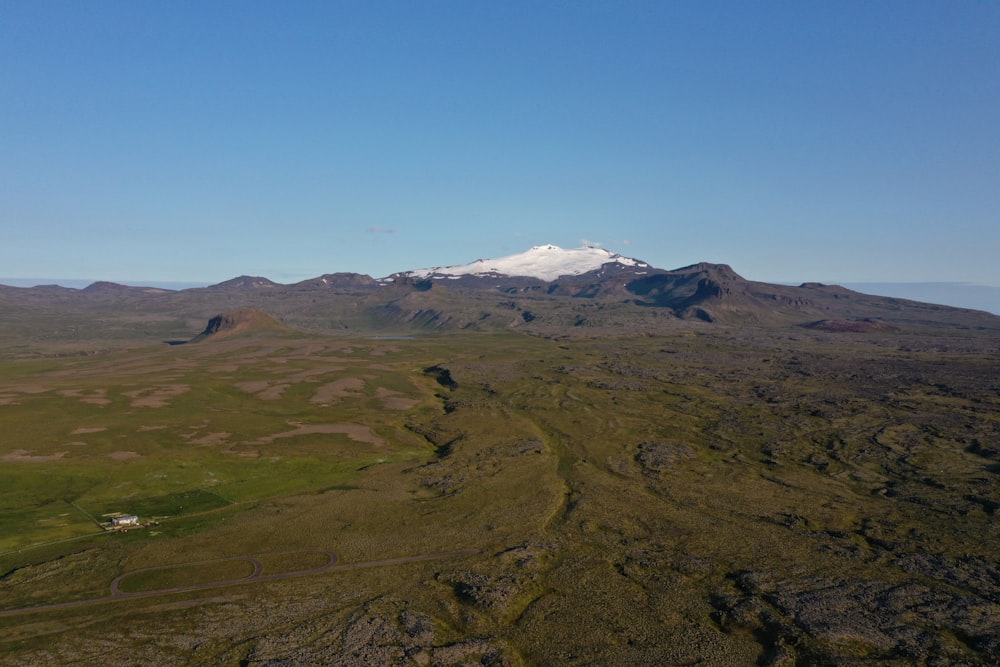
(545, 289)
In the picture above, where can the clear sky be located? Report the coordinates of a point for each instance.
(196, 141)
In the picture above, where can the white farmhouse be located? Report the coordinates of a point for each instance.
(122, 521)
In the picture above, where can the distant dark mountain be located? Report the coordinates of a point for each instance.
(39, 292)
(959, 294)
(104, 288)
(244, 282)
(336, 281)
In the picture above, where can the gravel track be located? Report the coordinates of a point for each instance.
(257, 576)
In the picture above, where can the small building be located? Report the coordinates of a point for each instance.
(123, 521)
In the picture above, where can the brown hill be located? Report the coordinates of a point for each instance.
(240, 321)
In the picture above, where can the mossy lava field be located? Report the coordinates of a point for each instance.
(706, 495)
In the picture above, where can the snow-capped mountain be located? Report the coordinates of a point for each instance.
(545, 262)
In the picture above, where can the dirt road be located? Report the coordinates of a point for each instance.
(257, 576)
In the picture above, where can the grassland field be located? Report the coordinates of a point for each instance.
(704, 496)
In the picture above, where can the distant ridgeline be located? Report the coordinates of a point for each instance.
(545, 290)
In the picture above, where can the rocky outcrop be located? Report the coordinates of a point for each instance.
(243, 320)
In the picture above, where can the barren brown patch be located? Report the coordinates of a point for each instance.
(252, 386)
(212, 438)
(156, 397)
(393, 400)
(124, 456)
(310, 374)
(96, 401)
(356, 432)
(29, 389)
(95, 397)
(334, 391)
(88, 429)
(273, 393)
(225, 368)
(244, 453)
(25, 456)
(143, 429)
(263, 389)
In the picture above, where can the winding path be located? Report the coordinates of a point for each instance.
(257, 576)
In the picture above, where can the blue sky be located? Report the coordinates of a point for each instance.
(190, 141)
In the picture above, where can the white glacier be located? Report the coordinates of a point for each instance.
(545, 262)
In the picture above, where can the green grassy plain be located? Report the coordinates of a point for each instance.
(704, 496)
